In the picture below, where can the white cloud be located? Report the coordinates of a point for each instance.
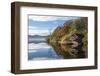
(43, 32)
(39, 32)
(32, 27)
(42, 18)
(33, 30)
(50, 18)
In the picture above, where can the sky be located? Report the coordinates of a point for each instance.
(44, 25)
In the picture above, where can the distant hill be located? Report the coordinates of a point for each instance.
(37, 36)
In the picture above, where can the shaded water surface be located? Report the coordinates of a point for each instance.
(41, 50)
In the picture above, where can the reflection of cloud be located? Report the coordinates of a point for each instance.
(50, 18)
(38, 46)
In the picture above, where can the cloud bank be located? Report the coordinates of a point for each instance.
(50, 18)
(44, 25)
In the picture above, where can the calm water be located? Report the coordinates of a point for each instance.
(40, 50)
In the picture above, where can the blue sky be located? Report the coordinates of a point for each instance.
(43, 25)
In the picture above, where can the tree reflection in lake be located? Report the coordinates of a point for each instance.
(72, 48)
(54, 50)
(67, 52)
(57, 37)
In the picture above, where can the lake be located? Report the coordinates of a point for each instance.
(39, 49)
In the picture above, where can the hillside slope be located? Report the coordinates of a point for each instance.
(73, 32)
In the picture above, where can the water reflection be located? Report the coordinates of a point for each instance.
(42, 51)
(67, 52)
(45, 51)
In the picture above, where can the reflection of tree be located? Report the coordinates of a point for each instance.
(67, 51)
(71, 49)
